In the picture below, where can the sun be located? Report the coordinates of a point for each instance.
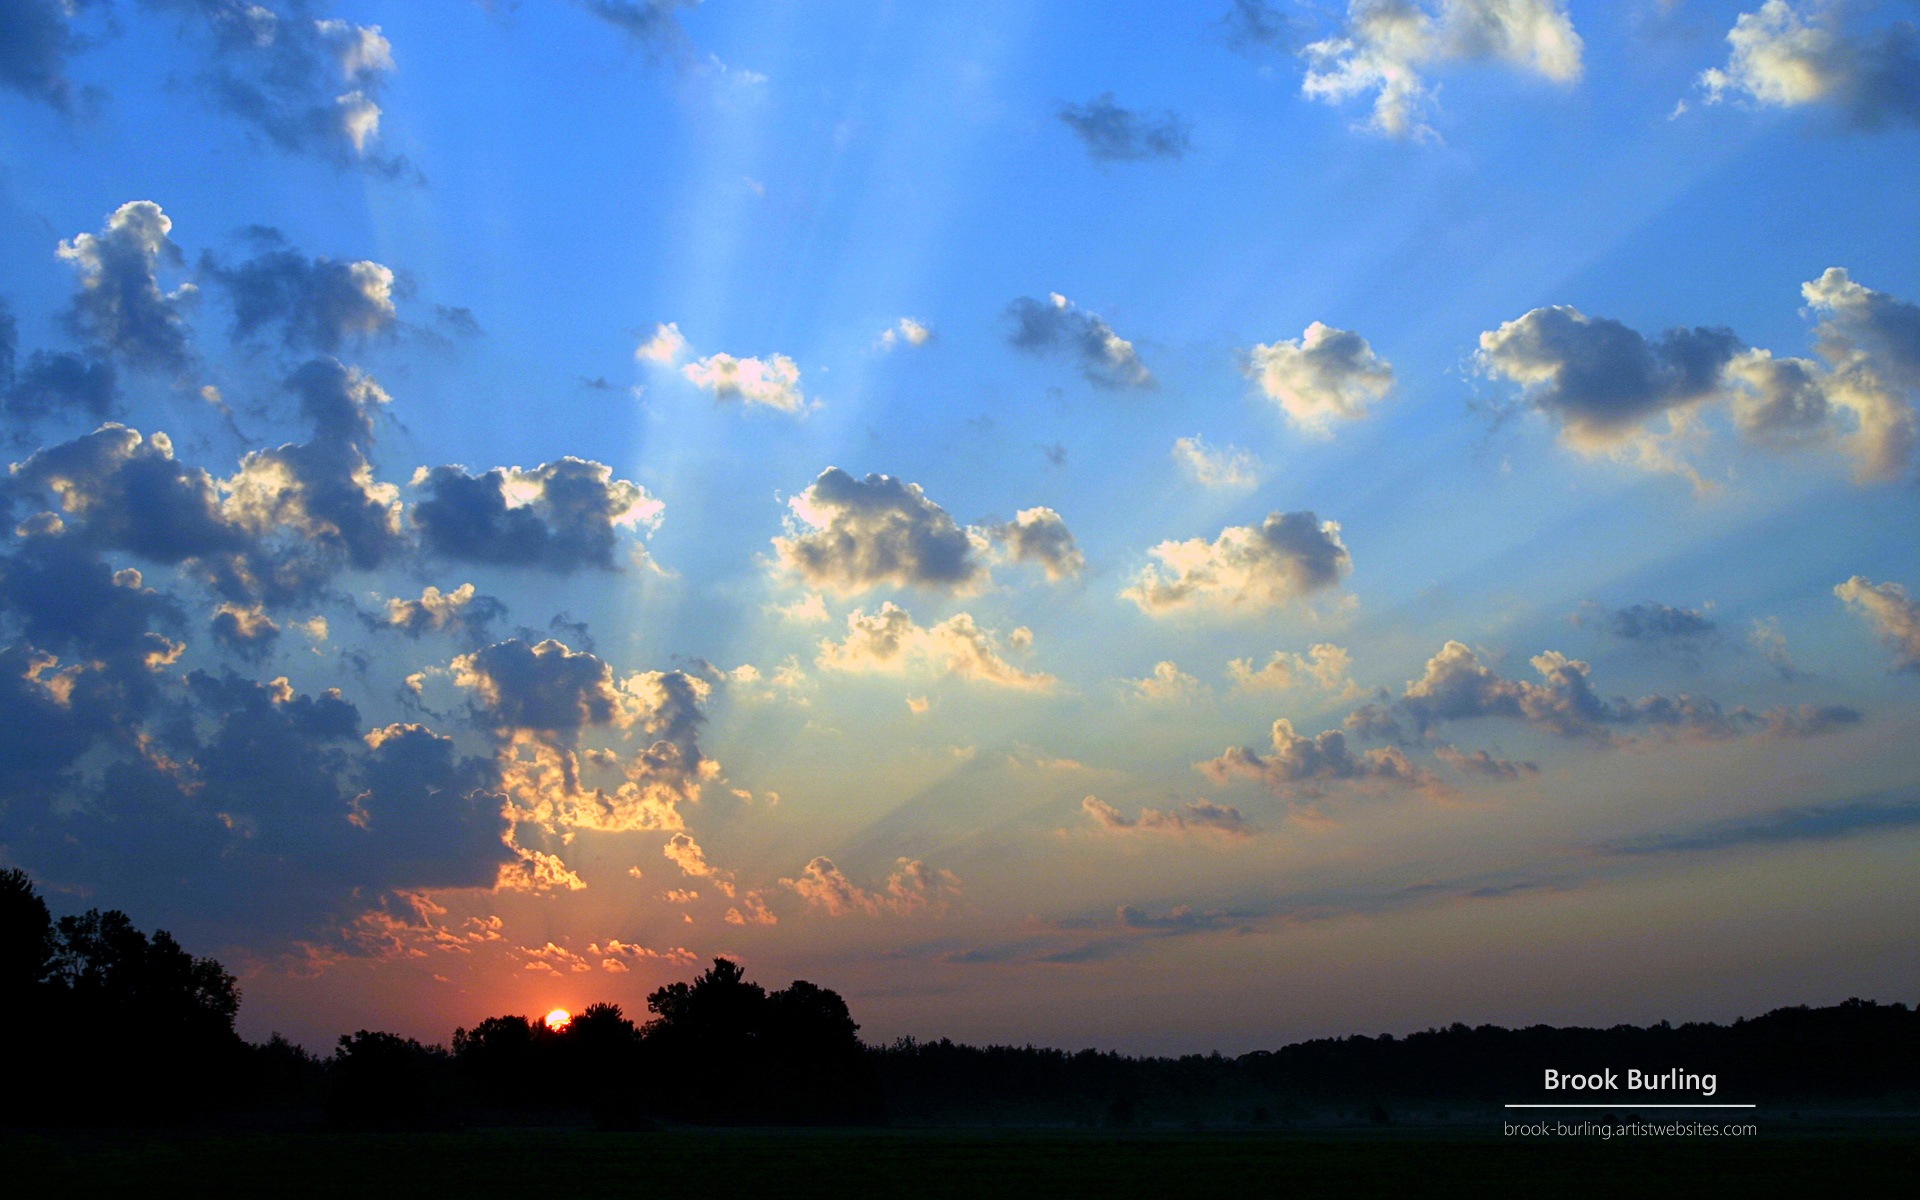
(559, 1019)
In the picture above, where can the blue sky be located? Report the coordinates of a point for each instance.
(1176, 350)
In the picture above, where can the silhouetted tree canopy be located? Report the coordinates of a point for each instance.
(123, 1025)
(108, 1023)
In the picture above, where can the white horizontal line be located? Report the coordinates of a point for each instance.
(1632, 1105)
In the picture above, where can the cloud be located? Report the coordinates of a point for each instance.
(911, 888)
(319, 499)
(1651, 623)
(309, 85)
(1892, 613)
(1228, 467)
(63, 596)
(463, 609)
(773, 382)
(545, 688)
(1862, 396)
(1057, 326)
(1872, 341)
(537, 702)
(890, 642)
(275, 531)
(1764, 635)
(53, 384)
(1179, 919)
(1253, 25)
(1483, 764)
(36, 40)
(129, 493)
(1324, 377)
(1385, 46)
(119, 306)
(686, 854)
(849, 535)
(1167, 684)
(1600, 381)
(1305, 765)
(1248, 568)
(1457, 686)
(1195, 818)
(317, 303)
(1798, 823)
(809, 609)
(664, 347)
(1326, 664)
(561, 516)
(1038, 535)
(905, 332)
(1783, 57)
(1810, 720)
(651, 23)
(1115, 134)
(248, 631)
(752, 910)
(1602, 384)
(252, 811)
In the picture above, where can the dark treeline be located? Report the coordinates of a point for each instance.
(1854, 1053)
(109, 1024)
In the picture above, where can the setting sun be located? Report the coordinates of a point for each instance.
(559, 1019)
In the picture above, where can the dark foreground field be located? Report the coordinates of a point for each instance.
(1804, 1158)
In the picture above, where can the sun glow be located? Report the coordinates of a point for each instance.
(559, 1019)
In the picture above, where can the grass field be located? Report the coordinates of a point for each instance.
(1809, 1159)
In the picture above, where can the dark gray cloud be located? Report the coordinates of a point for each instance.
(463, 610)
(1796, 823)
(1859, 322)
(289, 519)
(56, 384)
(120, 306)
(1057, 326)
(36, 40)
(1597, 379)
(1651, 623)
(545, 688)
(52, 384)
(314, 507)
(247, 631)
(61, 596)
(1307, 765)
(1254, 25)
(561, 516)
(1810, 720)
(128, 492)
(851, 534)
(1040, 536)
(309, 84)
(1194, 817)
(1115, 134)
(1484, 765)
(652, 23)
(1179, 919)
(435, 817)
(316, 303)
(1457, 686)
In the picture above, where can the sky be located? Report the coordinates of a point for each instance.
(1160, 527)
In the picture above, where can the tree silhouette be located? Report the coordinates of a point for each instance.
(117, 1025)
(385, 1081)
(736, 1053)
